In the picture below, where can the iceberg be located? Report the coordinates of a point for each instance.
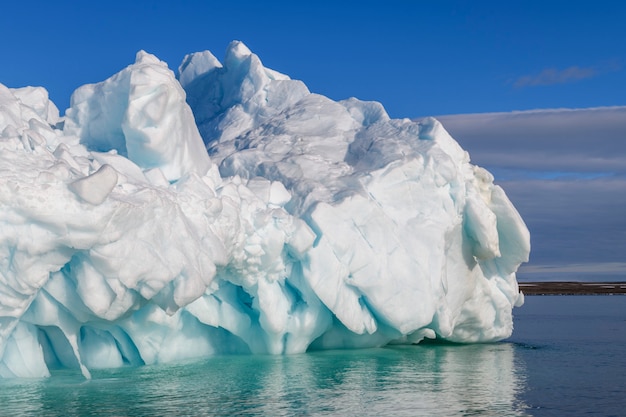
(227, 210)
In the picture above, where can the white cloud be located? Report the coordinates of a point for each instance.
(602, 267)
(598, 271)
(579, 140)
(551, 76)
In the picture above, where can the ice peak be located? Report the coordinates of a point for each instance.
(236, 53)
(141, 113)
(146, 58)
(227, 101)
(195, 65)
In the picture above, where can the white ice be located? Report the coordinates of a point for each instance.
(308, 223)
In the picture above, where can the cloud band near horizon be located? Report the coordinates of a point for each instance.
(565, 171)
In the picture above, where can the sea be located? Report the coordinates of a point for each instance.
(567, 357)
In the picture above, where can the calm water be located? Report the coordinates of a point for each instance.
(567, 357)
(573, 352)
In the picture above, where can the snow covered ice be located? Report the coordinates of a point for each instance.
(230, 210)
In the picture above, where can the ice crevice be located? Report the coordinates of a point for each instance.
(228, 210)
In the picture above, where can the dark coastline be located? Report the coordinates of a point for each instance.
(572, 288)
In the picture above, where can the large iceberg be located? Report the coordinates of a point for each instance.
(230, 210)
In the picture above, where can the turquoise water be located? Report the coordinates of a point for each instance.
(565, 358)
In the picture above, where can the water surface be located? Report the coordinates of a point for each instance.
(573, 350)
(566, 358)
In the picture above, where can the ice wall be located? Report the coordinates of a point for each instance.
(313, 224)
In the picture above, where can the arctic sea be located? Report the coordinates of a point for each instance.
(567, 357)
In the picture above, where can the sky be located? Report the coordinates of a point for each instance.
(492, 71)
(565, 172)
(416, 57)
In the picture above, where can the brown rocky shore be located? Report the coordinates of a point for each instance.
(572, 288)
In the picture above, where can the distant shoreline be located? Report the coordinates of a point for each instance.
(572, 288)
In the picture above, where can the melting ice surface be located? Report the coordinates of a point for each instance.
(230, 210)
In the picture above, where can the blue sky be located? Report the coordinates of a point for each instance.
(474, 63)
(416, 57)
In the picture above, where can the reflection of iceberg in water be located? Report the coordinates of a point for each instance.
(433, 380)
(481, 379)
(424, 380)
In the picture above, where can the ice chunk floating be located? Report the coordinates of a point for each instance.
(230, 210)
